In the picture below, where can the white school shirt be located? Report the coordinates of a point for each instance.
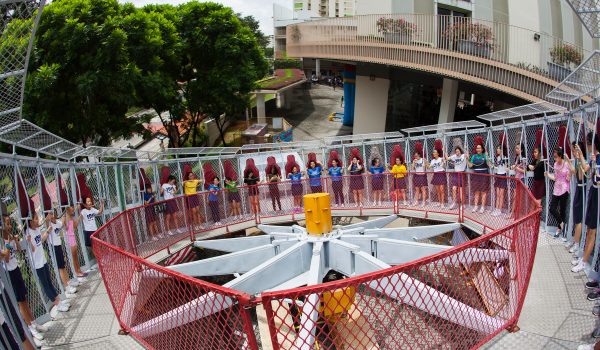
(39, 258)
(55, 233)
(89, 219)
(169, 190)
(501, 165)
(437, 165)
(12, 263)
(460, 162)
(418, 164)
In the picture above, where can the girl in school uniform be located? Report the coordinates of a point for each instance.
(419, 177)
(480, 184)
(500, 182)
(376, 170)
(439, 176)
(459, 161)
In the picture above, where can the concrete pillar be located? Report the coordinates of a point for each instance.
(318, 67)
(449, 99)
(260, 108)
(281, 100)
(349, 94)
(371, 104)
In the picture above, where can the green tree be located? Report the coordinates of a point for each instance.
(221, 63)
(82, 77)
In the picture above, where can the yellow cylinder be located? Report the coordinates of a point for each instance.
(318, 213)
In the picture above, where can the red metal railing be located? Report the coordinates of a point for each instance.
(459, 298)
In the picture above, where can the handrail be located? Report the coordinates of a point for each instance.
(486, 50)
(113, 259)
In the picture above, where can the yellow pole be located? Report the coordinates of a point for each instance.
(318, 213)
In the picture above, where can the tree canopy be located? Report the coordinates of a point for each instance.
(96, 59)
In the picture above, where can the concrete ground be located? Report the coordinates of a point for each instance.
(556, 313)
(309, 111)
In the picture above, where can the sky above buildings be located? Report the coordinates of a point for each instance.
(260, 9)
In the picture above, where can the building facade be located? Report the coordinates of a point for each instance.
(423, 61)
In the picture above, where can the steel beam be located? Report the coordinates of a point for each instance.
(413, 233)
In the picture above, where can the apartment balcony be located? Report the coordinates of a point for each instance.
(511, 59)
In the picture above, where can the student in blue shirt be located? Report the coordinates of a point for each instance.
(297, 188)
(377, 169)
(335, 173)
(149, 199)
(213, 200)
(314, 174)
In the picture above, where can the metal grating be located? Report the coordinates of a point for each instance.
(523, 111)
(588, 12)
(582, 84)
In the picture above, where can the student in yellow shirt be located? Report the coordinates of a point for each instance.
(190, 189)
(399, 172)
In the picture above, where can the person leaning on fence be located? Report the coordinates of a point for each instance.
(357, 184)
(233, 196)
(419, 178)
(12, 244)
(337, 184)
(295, 177)
(70, 223)
(168, 191)
(480, 184)
(438, 180)
(149, 200)
(459, 160)
(190, 189)
(500, 182)
(314, 171)
(251, 179)
(213, 200)
(273, 177)
(56, 227)
(578, 199)
(89, 214)
(538, 167)
(36, 238)
(376, 170)
(591, 216)
(562, 186)
(398, 171)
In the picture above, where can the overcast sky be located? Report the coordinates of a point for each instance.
(260, 9)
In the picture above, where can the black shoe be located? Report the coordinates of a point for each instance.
(593, 296)
(592, 285)
(596, 333)
(596, 310)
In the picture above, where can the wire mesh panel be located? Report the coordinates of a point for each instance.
(17, 25)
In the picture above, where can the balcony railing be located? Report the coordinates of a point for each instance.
(499, 52)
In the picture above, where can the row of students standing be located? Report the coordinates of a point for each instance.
(32, 244)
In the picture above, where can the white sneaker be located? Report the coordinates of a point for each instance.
(586, 347)
(39, 343)
(574, 249)
(61, 307)
(54, 312)
(568, 244)
(35, 333)
(71, 289)
(575, 261)
(180, 230)
(81, 280)
(475, 208)
(452, 206)
(218, 223)
(40, 327)
(482, 210)
(564, 239)
(496, 213)
(579, 267)
(94, 267)
(74, 282)
(70, 295)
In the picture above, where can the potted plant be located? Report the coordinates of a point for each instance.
(471, 38)
(563, 56)
(399, 31)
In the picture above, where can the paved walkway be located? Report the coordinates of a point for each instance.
(90, 323)
(556, 314)
(309, 111)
